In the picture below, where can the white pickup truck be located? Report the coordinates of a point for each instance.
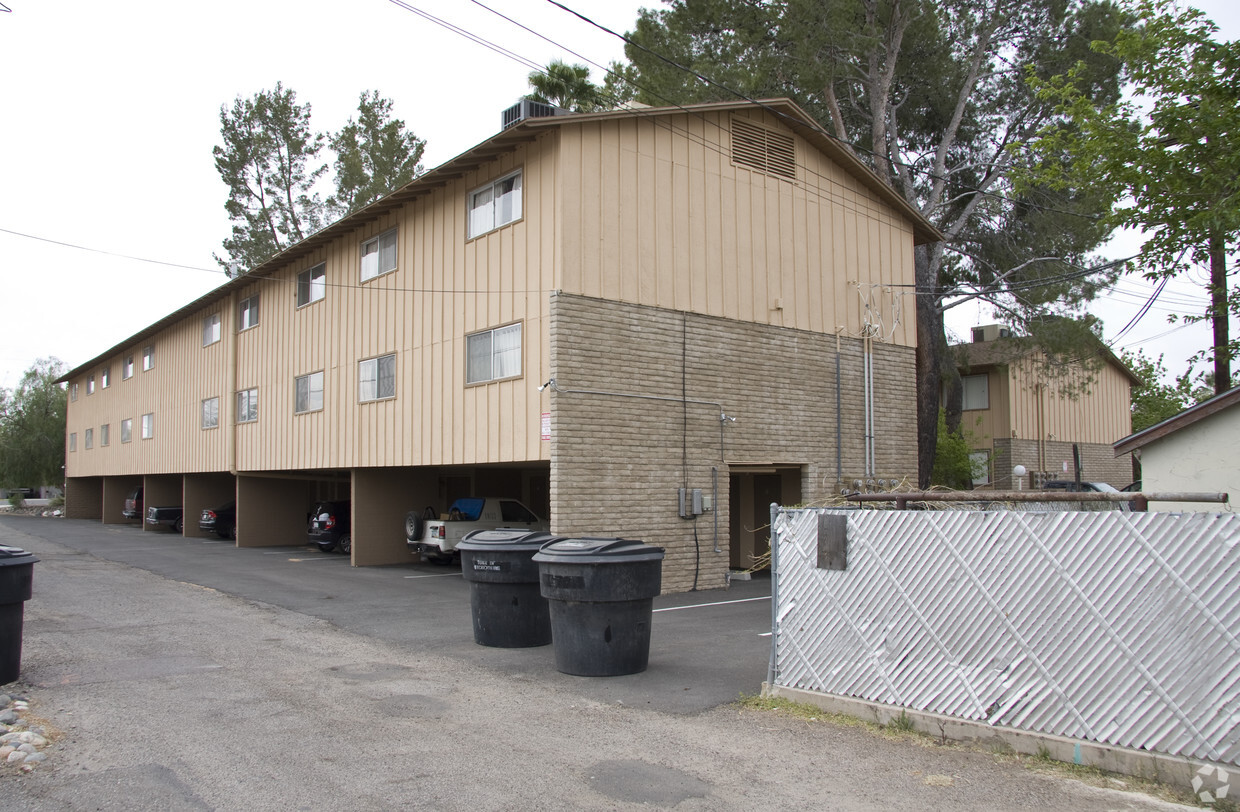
(436, 538)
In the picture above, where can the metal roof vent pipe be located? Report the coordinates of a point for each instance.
(528, 108)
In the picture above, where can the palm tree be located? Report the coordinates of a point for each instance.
(566, 86)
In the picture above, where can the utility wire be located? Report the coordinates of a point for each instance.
(110, 253)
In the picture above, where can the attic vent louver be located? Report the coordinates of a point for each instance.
(527, 108)
(762, 149)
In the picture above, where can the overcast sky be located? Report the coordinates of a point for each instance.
(110, 112)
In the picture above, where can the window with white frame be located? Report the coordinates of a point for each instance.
(126, 429)
(494, 205)
(379, 255)
(980, 460)
(105, 377)
(88, 439)
(211, 329)
(127, 368)
(247, 406)
(90, 385)
(976, 392)
(148, 358)
(308, 393)
(312, 284)
(376, 378)
(247, 313)
(73, 441)
(148, 425)
(493, 354)
(103, 434)
(210, 413)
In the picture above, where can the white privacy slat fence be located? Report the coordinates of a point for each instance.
(1113, 627)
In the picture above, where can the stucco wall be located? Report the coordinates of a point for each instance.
(1202, 457)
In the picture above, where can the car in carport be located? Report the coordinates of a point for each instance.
(330, 526)
(222, 521)
(133, 504)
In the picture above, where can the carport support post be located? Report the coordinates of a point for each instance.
(774, 664)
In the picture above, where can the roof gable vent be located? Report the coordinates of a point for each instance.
(528, 108)
(765, 150)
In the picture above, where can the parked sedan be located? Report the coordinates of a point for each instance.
(170, 517)
(222, 521)
(330, 526)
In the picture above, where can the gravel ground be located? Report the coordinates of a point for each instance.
(159, 694)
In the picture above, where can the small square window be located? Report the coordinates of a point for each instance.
(247, 406)
(88, 439)
(312, 284)
(148, 358)
(105, 377)
(148, 426)
(493, 354)
(379, 255)
(308, 393)
(90, 385)
(376, 378)
(126, 429)
(127, 368)
(210, 413)
(494, 205)
(247, 313)
(103, 434)
(211, 329)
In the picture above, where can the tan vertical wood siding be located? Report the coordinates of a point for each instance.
(1100, 413)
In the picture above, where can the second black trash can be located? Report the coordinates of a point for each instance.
(508, 609)
(600, 593)
(16, 580)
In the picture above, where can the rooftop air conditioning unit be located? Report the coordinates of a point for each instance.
(527, 108)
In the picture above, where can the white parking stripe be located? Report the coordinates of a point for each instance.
(437, 575)
(716, 603)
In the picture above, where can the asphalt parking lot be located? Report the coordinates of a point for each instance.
(706, 647)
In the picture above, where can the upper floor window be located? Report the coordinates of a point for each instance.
(494, 205)
(90, 385)
(105, 377)
(247, 313)
(493, 354)
(376, 378)
(89, 439)
(73, 441)
(210, 413)
(73, 390)
(976, 392)
(103, 434)
(148, 425)
(312, 284)
(127, 368)
(126, 429)
(309, 393)
(247, 406)
(379, 255)
(148, 357)
(211, 329)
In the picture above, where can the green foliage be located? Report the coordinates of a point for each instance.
(902, 723)
(1153, 401)
(566, 86)
(32, 428)
(374, 155)
(952, 466)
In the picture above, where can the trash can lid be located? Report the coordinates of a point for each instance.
(595, 550)
(13, 556)
(507, 538)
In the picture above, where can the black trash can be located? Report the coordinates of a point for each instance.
(16, 579)
(600, 592)
(508, 609)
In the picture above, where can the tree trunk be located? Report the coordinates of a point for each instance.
(1220, 314)
(929, 340)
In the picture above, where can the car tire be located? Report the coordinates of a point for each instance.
(178, 526)
(345, 544)
(414, 526)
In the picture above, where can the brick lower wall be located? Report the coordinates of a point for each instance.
(1098, 463)
(620, 452)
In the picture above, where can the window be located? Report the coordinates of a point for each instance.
(379, 255)
(127, 368)
(148, 426)
(105, 377)
(494, 205)
(493, 354)
(211, 329)
(976, 392)
(126, 429)
(376, 378)
(148, 358)
(247, 313)
(210, 413)
(103, 434)
(73, 441)
(309, 393)
(247, 406)
(90, 385)
(88, 439)
(980, 460)
(73, 389)
(510, 511)
(312, 284)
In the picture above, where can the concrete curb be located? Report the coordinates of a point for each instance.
(1174, 771)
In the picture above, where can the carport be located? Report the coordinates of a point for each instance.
(203, 492)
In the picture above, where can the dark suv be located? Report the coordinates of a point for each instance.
(330, 526)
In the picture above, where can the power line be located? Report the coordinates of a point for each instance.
(110, 253)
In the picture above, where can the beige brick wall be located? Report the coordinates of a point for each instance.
(1098, 463)
(620, 452)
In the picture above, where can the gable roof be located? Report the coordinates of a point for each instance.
(1184, 419)
(507, 140)
(1005, 350)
